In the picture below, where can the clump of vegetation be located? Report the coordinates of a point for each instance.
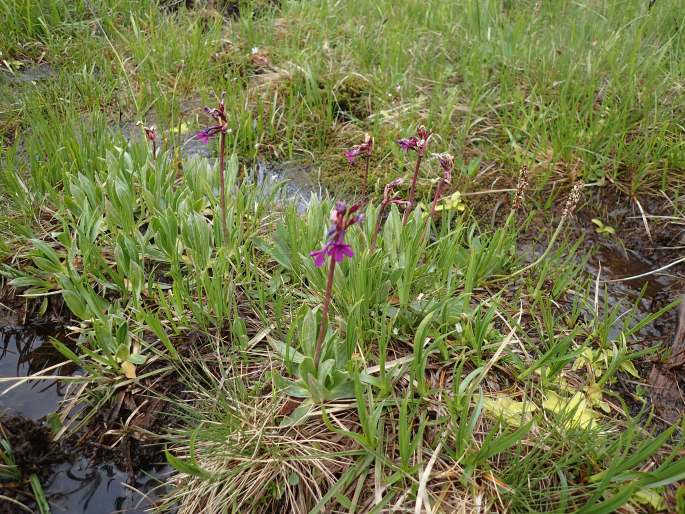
(433, 354)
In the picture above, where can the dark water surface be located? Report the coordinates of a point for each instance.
(74, 483)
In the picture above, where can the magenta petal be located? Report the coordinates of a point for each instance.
(407, 143)
(203, 137)
(319, 257)
(340, 250)
(352, 155)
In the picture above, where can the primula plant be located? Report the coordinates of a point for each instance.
(418, 144)
(365, 149)
(220, 129)
(335, 249)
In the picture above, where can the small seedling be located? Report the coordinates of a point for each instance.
(602, 228)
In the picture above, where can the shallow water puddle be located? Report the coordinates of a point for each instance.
(74, 483)
(81, 487)
(612, 265)
(25, 351)
(299, 183)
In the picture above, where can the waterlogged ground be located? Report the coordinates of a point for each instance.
(175, 335)
(78, 476)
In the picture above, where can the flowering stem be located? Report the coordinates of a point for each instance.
(323, 328)
(222, 184)
(154, 149)
(366, 175)
(377, 229)
(436, 198)
(412, 190)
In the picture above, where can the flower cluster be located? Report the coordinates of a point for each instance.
(521, 187)
(150, 133)
(447, 164)
(219, 115)
(388, 194)
(364, 149)
(418, 142)
(342, 218)
(389, 198)
(573, 199)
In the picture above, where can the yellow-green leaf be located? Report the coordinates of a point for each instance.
(515, 413)
(452, 202)
(651, 498)
(577, 407)
(180, 129)
(629, 367)
(129, 369)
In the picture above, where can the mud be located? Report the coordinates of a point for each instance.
(641, 244)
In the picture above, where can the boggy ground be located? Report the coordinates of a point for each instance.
(454, 381)
(80, 471)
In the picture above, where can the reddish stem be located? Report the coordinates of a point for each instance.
(324, 313)
(436, 198)
(366, 176)
(412, 190)
(222, 184)
(377, 229)
(154, 149)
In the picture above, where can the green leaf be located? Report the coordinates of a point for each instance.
(64, 350)
(137, 359)
(39, 494)
(287, 352)
(186, 467)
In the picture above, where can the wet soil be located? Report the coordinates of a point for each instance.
(31, 74)
(631, 251)
(80, 473)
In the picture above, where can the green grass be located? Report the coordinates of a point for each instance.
(455, 375)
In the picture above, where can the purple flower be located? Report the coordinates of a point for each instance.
(221, 127)
(418, 142)
(335, 246)
(363, 149)
(446, 161)
(150, 133)
(407, 144)
(447, 164)
(339, 251)
(352, 154)
(319, 256)
(203, 136)
(336, 250)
